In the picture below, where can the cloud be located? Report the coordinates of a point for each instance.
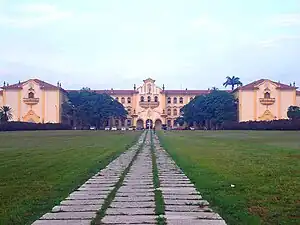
(273, 42)
(32, 15)
(285, 20)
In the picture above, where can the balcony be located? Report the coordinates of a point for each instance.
(267, 101)
(151, 105)
(31, 101)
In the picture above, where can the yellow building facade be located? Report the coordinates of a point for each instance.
(40, 102)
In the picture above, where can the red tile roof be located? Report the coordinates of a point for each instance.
(186, 92)
(252, 85)
(42, 84)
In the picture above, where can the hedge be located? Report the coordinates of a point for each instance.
(22, 126)
(263, 125)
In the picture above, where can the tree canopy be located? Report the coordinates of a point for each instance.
(293, 112)
(232, 81)
(210, 110)
(87, 108)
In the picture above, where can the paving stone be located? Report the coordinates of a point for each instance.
(76, 208)
(135, 190)
(182, 197)
(62, 222)
(130, 211)
(186, 208)
(115, 204)
(68, 215)
(95, 189)
(135, 194)
(134, 199)
(85, 197)
(179, 221)
(138, 219)
(82, 202)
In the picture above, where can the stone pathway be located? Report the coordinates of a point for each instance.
(183, 203)
(134, 201)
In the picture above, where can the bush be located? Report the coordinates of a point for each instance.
(263, 125)
(22, 126)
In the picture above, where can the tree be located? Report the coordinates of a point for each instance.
(5, 113)
(87, 108)
(232, 81)
(211, 110)
(180, 120)
(293, 112)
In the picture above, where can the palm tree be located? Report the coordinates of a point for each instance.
(5, 113)
(232, 81)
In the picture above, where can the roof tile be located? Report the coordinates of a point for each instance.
(42, 84)
(252, 85)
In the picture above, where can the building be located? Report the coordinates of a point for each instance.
(37, 101)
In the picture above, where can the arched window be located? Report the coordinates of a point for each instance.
(267, 95)
(142, 98)
(191, 98)
(156, 99)
(169, 100)
(169, 112)
(175, 100)
(174, 112)
(181, 100)
(129, 111)
(128, 100)
(122, 100)
(117, 99)
(30, 95)
(149, 99)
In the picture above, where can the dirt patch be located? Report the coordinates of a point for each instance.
(258, 210)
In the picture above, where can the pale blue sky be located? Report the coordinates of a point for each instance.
(181, 43)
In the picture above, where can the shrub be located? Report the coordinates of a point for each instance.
(22, 126)
(263, 125)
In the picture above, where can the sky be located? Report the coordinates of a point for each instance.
(182, 44)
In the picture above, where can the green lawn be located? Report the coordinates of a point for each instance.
(39, 169)
(264, 166)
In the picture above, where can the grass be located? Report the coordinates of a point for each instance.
(112, 194)
(264, 166)
(39, 169)
(159, 200)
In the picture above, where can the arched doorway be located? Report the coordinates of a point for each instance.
(149, 123)
(158, 124)
(139, 124)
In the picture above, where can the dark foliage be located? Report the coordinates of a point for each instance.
(22, 126)
(263, 125)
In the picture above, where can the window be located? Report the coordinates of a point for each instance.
(129, 111)
(142, 98)
(169, 112)
(122, 100)
(30, 95)
(169, 100)
(175, 100)
(267, 95)
(128, 122)
(122, 122)
(149, 99)
(156, 99)
(117, 122)
(181, 100)
(128, 100)
(191, 98)
(117, 99)
(175, 112)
